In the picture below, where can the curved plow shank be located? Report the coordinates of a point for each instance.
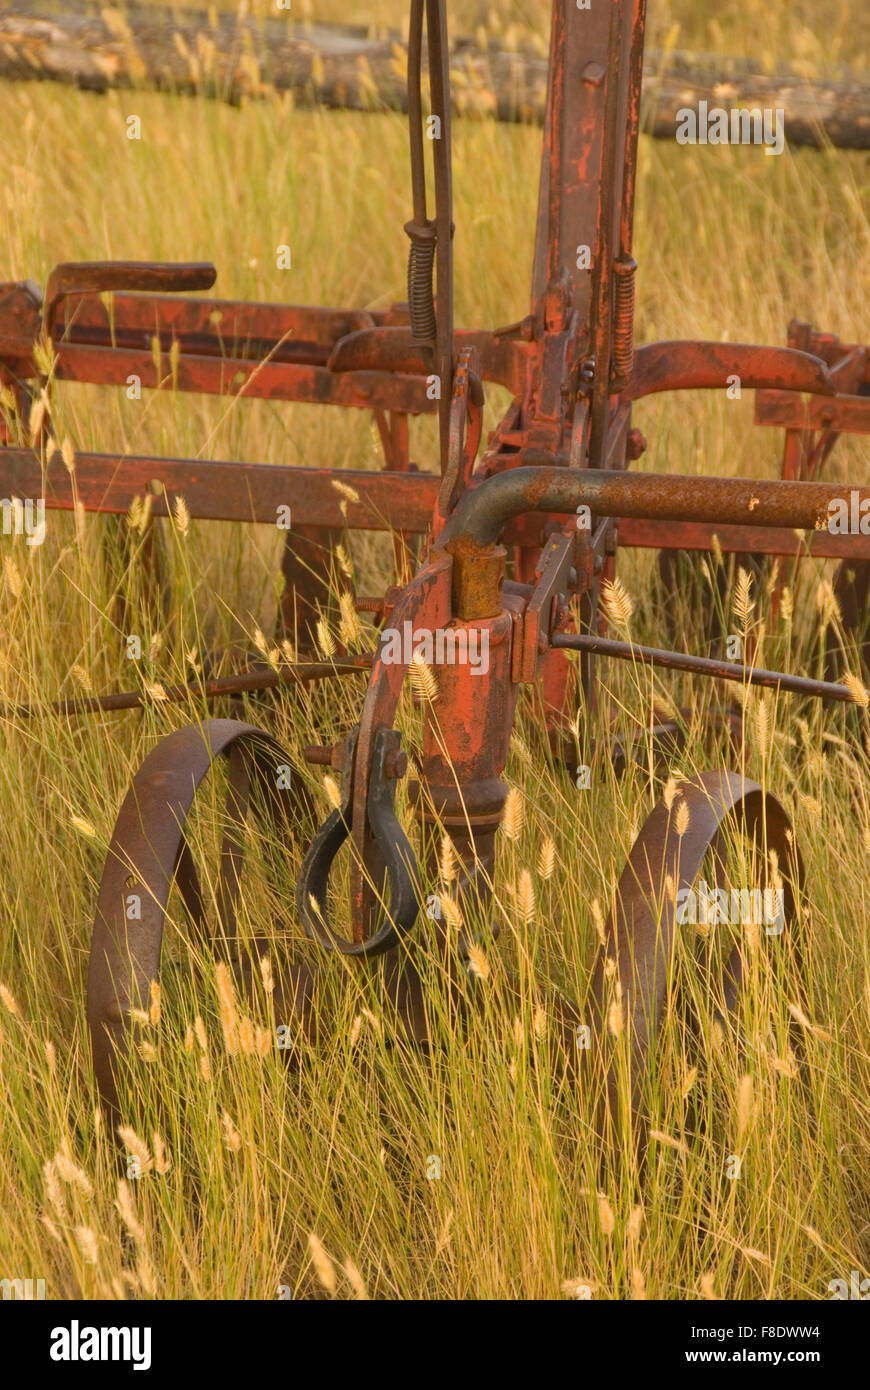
(149, 852)
(397, 857)
(666, 859)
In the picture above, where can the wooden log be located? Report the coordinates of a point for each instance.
(221, 55)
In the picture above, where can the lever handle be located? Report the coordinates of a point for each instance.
(93, 277)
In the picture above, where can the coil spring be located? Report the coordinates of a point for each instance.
(623, 321)
(421, 301)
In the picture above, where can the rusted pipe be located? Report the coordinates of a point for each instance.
(484, 511)
(173, 694)
(702, 665)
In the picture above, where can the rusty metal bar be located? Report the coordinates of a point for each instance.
(222, 685)
(224, 491)
(632, 126)
(439, 89)
(752, 540)
(789, 410)
(702, 665)
(245, 379)
(602, 278)
(483, 512)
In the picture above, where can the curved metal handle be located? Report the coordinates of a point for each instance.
(94, 277)
(403, 874)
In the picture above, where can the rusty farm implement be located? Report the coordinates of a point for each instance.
(493, 548)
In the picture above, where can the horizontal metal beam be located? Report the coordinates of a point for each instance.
(224, 491)
(238, 376)
(789, 410)
(754, 540)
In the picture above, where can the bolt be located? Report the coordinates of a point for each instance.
(395, 764)
(318, 753)
(635, 445)
(325, 756)
(368, 605)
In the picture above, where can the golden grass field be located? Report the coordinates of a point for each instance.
(315, 1177)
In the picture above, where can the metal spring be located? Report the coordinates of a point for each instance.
(421, 302)
(623, 321)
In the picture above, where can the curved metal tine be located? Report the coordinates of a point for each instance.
(732, 968)
(642, 927)
(187, 882)
(232, 845)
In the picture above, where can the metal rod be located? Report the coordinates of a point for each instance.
(484, 511)
(702, 665)
(439, 84)
(221, 685)
(629, 160)
(602, 295)
(415, 111)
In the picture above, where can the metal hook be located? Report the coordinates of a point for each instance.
(401, 866)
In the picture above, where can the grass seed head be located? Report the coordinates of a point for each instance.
(182, 515)
(478, 965)
(355, 1279)
(617, 602)
(8, 1000)
(857, 689)
(525, 898)
(514, 815)
(86, 1240)
(349, 630)
(232, 1138)
(743, 602)
(606, 1219)
(451, 911)
(598, 921)
(229, 1014)
(745, 1097)
(422, 678)
(266, 974)
(323, 1266)
(447, 862)
(547, 859)
(136, 1146)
